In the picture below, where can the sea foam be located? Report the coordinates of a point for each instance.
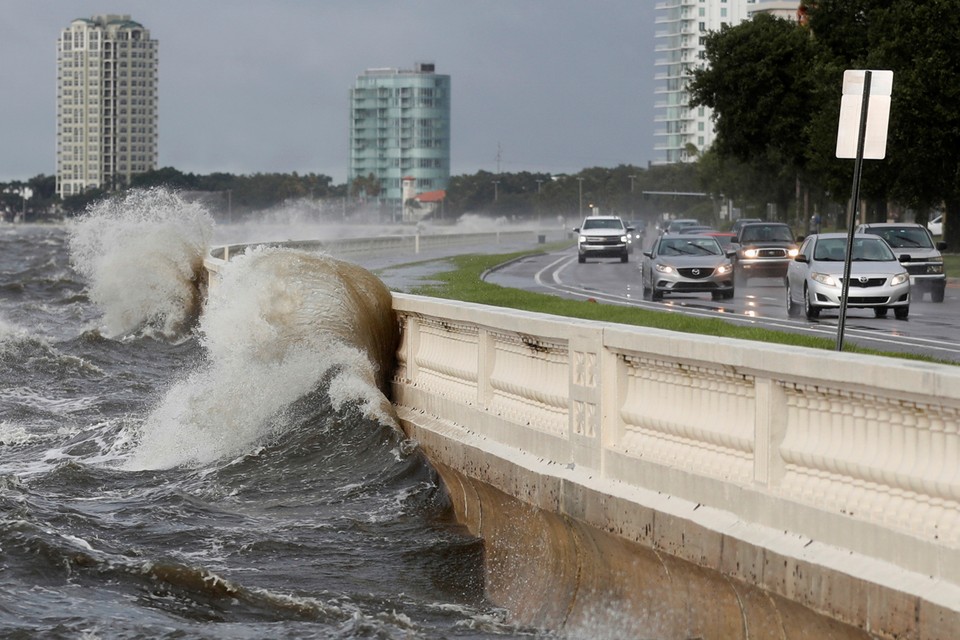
(142, 256)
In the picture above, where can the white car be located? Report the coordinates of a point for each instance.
(936, 225)
(602, 237)
(877, 279)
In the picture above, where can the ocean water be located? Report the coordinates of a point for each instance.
(175, 469)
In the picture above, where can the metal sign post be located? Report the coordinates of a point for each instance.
(869, 141)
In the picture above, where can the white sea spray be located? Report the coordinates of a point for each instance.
(142, 256)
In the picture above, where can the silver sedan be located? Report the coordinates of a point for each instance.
(877, 279)
(687, 264)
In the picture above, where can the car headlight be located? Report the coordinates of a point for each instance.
(935, 268)
(724, 268)
(825, 278)
(623, 238)
(793, 253)
(751, 253)
(582, 239)
(900, 278)
(663, 268)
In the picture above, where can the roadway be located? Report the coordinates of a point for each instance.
(930, 330)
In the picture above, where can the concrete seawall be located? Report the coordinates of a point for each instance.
(632, 482)
(719, 488)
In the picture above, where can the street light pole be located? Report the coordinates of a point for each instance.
(539, 184)
(580, 180)
(495, 183)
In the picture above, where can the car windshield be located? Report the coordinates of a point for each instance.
(602, 223)
(900, 237)
(766, 233)
(689, 247)
(864, 250)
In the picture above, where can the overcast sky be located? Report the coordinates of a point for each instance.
(250, 86)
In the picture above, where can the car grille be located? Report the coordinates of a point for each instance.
(869, 282)
(920, 269)
(680, 286)
(772, 253)
(869, 300)
(604, 240)
(696, 272)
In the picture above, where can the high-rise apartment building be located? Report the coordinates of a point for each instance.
(681, 27)
(400, 129)
(106, 103)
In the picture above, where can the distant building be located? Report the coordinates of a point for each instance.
(400, 128)
(106, 103)
(679, 43)
(786, 9)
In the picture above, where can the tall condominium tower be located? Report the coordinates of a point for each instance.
(400, 128)
(681, 27)
(106, 103)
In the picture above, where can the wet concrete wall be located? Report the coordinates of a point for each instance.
(687, 483)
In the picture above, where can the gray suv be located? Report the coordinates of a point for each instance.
(917, 252)
(764, 249)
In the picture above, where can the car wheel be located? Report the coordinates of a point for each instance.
(625, 258)
(655, 294)
(716, 295)
(581, 258)
(901, 313)
(728, 295)
(936, 294)
(880, 312)
(793, 309)
(811, 310)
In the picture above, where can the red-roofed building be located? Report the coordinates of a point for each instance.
(417, 206)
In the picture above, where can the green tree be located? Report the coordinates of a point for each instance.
(765, 83)
(367, 186)
(775, 91)
(165, 177)
(917, 39)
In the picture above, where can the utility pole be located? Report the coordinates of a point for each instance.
(580, 180)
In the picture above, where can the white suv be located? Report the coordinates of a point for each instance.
(602, 236)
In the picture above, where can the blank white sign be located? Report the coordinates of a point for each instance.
(878, 114)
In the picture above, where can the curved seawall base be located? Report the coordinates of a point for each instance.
(556, 572)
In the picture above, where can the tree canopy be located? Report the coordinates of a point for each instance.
(775, 90)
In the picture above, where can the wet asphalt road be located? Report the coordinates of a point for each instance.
(932, 328)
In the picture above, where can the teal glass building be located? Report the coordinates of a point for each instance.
(400, 127)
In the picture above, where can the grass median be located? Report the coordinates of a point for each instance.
(463, 282)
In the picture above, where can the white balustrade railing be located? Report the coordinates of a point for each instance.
(855, 451)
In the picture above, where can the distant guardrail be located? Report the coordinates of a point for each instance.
(413, 243)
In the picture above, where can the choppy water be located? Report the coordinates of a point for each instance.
(227, 476)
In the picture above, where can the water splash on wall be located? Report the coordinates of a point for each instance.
(278, 323)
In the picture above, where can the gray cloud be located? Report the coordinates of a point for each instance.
(253, 86)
